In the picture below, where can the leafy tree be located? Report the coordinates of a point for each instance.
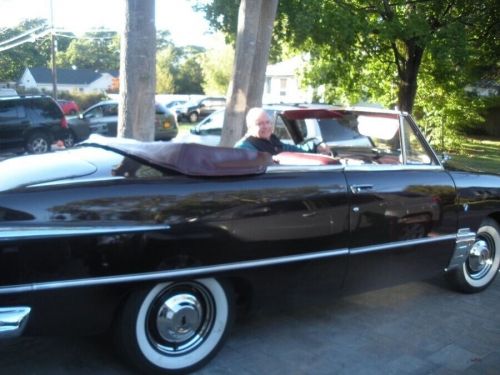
(217, 64)
(163, 39)
(166, 60)
(92, 51)
(385, 50)
(30, 54)
(189, 78)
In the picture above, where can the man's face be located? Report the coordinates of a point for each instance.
(261, 127)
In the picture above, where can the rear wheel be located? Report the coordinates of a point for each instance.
(482, 263)
(175, 327)
(69, 140)
(38, 143)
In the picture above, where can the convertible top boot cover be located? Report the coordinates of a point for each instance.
(189, 158)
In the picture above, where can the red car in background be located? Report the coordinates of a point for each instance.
(69, 107)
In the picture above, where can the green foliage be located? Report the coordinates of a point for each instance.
(13, 61)
(189, 79)
(418, 54)
(165, 69)
(217, 65)
(92, 51)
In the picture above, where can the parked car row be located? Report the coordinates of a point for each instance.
(196, 110)
(102, 118)
(33, 123)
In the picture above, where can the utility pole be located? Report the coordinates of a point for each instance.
(53, 52)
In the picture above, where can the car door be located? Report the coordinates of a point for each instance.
(13, 123)
(402, 213)
(103, 118)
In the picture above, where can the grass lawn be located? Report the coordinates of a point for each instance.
(184, 127)
(478, 154)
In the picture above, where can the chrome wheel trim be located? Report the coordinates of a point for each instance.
(180, 318)
(39, 145)
(483, 260)
(198, 346)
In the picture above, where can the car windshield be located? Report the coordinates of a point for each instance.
(360, 130)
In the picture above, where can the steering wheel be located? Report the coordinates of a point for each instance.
(312, 143)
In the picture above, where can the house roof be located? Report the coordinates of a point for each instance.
(285, 68)
(68, 76)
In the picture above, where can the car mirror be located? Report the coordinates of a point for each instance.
(194, 131)
(444, 158)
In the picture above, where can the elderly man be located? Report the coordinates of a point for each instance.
(260, 137)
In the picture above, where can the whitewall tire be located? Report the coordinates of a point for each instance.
(175, 327)
(483, 261)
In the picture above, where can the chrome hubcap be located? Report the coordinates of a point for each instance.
(179, 318)
(39, 145)
(480, 259)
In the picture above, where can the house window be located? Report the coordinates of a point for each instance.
(282, 86)
(268, 85)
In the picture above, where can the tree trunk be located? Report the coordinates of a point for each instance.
(255, 27)
(407, 89)
(136, 112)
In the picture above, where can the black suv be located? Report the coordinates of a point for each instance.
(193, 111)
(30, 123)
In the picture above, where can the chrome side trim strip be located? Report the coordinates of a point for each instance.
(13, 320)
(32, 232)
(199, 271)
(465, 241)
(195, 272)
(399, 244)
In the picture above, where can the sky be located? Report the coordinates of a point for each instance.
(186, 26)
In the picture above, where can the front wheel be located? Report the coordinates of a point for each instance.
(482, 263)
(175, 327)
(38, 143)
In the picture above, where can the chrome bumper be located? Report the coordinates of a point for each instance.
(465, 241)
(13, 320)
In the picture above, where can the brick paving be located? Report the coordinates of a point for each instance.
(417, 328)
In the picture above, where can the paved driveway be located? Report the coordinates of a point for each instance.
(417, 328)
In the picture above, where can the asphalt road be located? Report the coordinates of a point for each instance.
(417, 328)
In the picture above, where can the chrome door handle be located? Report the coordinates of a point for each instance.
(356, 189)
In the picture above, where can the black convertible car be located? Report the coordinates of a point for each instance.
(162, 241)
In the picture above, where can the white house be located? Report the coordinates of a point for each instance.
(80, 80)
(282, 83)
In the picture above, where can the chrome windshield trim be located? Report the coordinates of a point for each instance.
(33, 232)
(399, 244)
(198, 271)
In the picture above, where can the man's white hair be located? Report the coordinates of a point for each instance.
(253, 114)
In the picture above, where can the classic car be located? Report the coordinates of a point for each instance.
(162, 243)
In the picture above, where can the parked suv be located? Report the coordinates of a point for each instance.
(102, 118)
(30, 123)
(193, 111)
